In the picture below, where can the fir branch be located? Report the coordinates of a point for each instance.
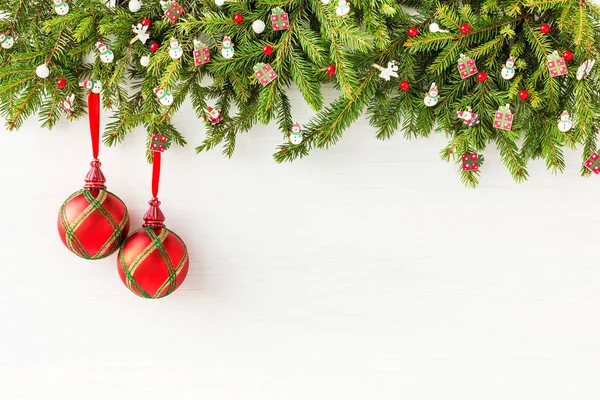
(373, 32)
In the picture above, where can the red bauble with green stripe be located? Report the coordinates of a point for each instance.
(153, 261)
(93, 222)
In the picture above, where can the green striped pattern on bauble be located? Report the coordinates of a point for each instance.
(153, 262)
(93, 223)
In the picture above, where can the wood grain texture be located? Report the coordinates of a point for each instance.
(364, 272)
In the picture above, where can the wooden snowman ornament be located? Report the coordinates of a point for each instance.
(432, 97)
(296, 134)
(508, 71)
(227, 50)
(175, 50)
(565, 123)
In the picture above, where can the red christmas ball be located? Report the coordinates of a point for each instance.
(545, 29)
(413, 32)
(153, 261)
(465, 28)
(93, 222)
(331, 69)
(568, 55)
(145, 22)
(154, 47)
(482, 77)
(238, 18)
(267, 50)
(523, 94)
(404, 85)
(61, 83)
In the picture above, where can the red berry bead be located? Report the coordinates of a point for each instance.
(145, 22)
(482, 77)
(267, 50)
(331, 69)
(61, 83)
(413, 32)
(154, 47)
(465, 28)
(405, 85)
(545, 29)
(523, 94)
(568, 55)
(238, 18)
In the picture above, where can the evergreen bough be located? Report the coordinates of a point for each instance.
(375, 32)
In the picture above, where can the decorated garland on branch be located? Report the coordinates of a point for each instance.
(516, 74)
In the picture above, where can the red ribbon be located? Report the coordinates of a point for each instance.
(156, 173)
(94, 111)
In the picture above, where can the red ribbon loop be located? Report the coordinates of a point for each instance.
(156, 173)
(94, 112)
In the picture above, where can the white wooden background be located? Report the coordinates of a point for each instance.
(364, 272)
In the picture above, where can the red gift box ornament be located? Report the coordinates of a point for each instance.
(201, 53)
(466, 66)
(279, 19)
(503, 118)
(264, 73)
(471, 161)
(557, 65)
(159, 143)
(593, 163)
(172, 10)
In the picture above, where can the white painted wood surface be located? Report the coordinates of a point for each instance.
(364, 272)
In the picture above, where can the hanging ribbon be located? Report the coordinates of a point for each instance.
(156, 173)
(154, 218)
(94, 111)
(95, 178)
(158, 144)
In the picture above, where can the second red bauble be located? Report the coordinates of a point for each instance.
(153, 261)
